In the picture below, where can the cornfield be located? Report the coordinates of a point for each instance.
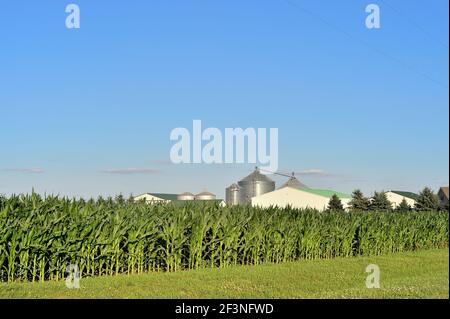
(39, 236)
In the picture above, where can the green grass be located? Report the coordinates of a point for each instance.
(422, 274)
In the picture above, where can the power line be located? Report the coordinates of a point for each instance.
(366, 43)
(415, 24)
(277, 173)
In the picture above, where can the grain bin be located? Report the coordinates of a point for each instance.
(253, 185)
(294, 183)
(232, 195)
(205, 196)
(186, 196)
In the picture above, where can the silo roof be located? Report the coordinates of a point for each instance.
(256, 176)
(205, 193)
(186, 194)
(294, 183)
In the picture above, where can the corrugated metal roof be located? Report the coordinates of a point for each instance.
(294, 183)
(205, 193)
(256, 176)
(234, 187)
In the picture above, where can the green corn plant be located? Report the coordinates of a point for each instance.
(40, 236)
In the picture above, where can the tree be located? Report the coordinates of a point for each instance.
(130, 199)
(335, 203)
(380, 202)
(403, 206)
(427, 200)
(120, 199)
(359, 202)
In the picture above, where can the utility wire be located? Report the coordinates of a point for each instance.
(415, 24)
(366, 44)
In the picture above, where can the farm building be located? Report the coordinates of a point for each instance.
(443, 197)
(299, 198)
(396, 197)
(257, 184)
(153, 198)
(156, 197)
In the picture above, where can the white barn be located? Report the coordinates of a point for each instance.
(396, 197)
(156, 198)
(299, 198)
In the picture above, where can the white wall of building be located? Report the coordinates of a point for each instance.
(396, 199)
(150, 199)
(295, 198)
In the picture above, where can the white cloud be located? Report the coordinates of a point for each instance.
(26, 170)
(161, 162)
(130, 170)
(313, 172)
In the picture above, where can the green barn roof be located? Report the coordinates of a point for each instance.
(170, 197)
(325, 192)
(406, 194)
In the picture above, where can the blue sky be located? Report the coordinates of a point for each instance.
(88, 112)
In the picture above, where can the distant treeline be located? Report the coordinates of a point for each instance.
(426, 200)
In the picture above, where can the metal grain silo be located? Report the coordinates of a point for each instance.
(232, 195)
(253, 185)
(205, 196)
(294, 183)
(186, 196)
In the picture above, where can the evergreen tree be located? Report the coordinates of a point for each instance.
(2, 201)
(335, 203)
(120, 199)
(359, 202)
(427, 200)
(380, 202)
(130, 199)
(404, 206)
